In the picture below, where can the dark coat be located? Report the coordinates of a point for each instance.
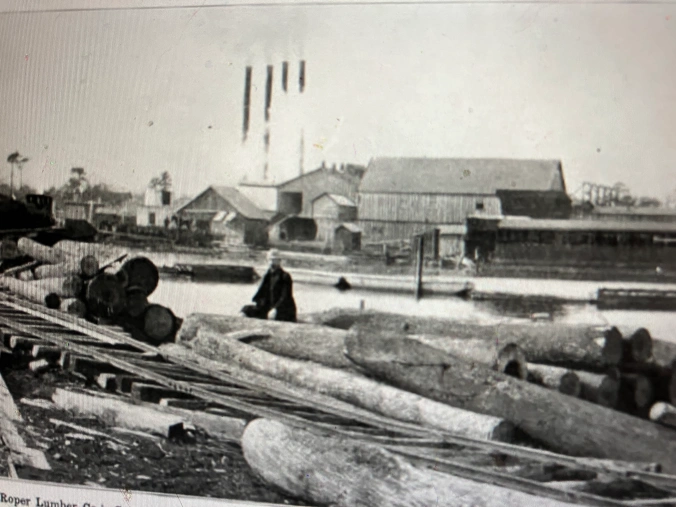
(276, 293)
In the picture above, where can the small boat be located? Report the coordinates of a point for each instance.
(227, 273)
(636, 299)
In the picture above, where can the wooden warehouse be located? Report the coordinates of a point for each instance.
(227, 213)
(328, 212)
(401, 197)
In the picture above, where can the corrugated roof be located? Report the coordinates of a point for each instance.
(588, 225)
(460, 176)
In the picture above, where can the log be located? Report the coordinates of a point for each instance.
(86, 267)
(40, 252)
(636, 394)
(159, 324)
(79, 249)
(571, 425)
(593, 348)
(663, 413)
(104, 296)
(26, 276)
(299, 341)
(328, 470)
(65, 286)
(600, 389)
(638, 345)
(30, 290)
(562, 380)
(20, 269)
(352, 388)
(141, 273)
(73, 306)
(505, 358)
(664, 353)
(137, 302)
(9, 250)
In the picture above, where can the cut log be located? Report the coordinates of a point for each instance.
(30, 290)
(663, 413)
(26, 276)
(73, 306)
(592, 348)
(53, 301)
(505, 358)
(159, 324)
(600, 389)
(563, 380)
(352, 388)
(571, 425)
(137, 302)
(78, 249)
(638, 345)
(9, 250)
(20, 269)
(86, 267)
(141, 273)
(40, 252)
(664, 353)
(315, 343)
(636, 394)
(105, 297)
(65, 287)
(327, 470)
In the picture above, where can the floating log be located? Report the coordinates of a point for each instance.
(352, 388)
(9, 249)
(40, 252)
(602, 389)
(159, 324)
(141, 273)
(571, 425)
(300, 341)
(663, 413)
(104, 296)
(73, 306)
(563, 380)
(328, 470)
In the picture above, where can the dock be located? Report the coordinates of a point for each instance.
(636, 299)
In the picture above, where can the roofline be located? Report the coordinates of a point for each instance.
(339, 174)
(210, 187)
(435, 193)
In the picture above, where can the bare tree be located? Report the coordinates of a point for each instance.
(15, 160)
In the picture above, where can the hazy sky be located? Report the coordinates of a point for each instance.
(128, 94)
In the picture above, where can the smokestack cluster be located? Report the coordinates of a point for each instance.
(287, 109)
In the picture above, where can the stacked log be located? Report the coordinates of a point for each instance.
(86, 280)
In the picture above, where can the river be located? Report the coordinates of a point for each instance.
(185, 297)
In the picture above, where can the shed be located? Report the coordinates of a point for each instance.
(347, 238)
(330, 210)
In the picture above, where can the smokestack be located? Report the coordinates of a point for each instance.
(266, 141)
(247, 103)
(285, 76)
(301, 77)
(268, 93)
(301, 158)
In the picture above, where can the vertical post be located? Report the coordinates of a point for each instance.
(420, 257)
(301, 77)
(247, 102)
(285, 76)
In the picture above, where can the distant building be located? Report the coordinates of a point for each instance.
(227, 213)
(156, 208)
(401, 197)
(330, 211)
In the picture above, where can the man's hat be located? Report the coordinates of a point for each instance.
(273, 255)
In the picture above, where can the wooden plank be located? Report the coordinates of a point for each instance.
(10, 417)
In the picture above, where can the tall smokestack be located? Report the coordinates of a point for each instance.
(266, 141)
(301, 77)
(301, 158)
(285, 76)
(247, 103)
(268, 93)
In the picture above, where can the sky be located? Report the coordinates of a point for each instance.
(130, 93)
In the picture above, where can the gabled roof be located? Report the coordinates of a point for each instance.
(354, 228)
(237, 200)
(340, 200)
(326, 170)
(460, 176)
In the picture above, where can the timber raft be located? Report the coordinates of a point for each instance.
(224, 399)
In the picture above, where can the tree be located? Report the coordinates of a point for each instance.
(163, 182)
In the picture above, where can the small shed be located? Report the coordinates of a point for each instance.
(331, 210)
(347, 238)
(451, 240)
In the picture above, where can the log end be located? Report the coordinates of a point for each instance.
(512, 361)
(89, 266)
(570, 384)
(159, 323)
(52, 301)
(608, 392)
(659, 410)
(641, 345)
(613, 346)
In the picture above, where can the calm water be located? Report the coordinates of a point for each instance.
(186, 297)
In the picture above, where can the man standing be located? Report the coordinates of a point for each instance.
(276, 292)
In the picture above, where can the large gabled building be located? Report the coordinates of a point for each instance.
(402, 197)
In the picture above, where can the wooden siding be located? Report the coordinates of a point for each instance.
(316, 183)
(380, 230)
(327, 208)
(421, 208)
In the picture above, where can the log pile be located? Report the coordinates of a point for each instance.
(92, 281)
